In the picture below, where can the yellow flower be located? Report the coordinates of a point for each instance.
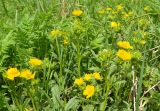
(96, 75)
(27, 74)
(126, 15)
(142, 42)
(101, 11)
(89, 91)
(65, 42)
(35, 62)
(79, 81)
(12, 73)
(147, 8)
(124, 45)
(108, 9)
(56, 32)
(119, 7)
(115, 24)
(77, 12)
(87, 77)
(124, 55)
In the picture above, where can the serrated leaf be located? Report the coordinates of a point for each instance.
(72, 104)
(88, 108)
(56, 96)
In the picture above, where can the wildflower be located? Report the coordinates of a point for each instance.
(65, 42)
(101, 11)
(108, 9)
(77, 12)
(124, 45)
(126, 15)
(147, 8)
(87, 77)
(115, 24)
(119, 7)
(12, 73)
(96, 75)
(35, 62)
(124, 55)
(104, 54)
(27, 74)
(89, 91)
(142, 42)
(56, 32)
(79, 81)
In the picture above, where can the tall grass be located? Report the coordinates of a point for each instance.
(25, 30)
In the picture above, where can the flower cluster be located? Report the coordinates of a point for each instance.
(89, 89)
(12, 73)
(124, 55)
(57, 32)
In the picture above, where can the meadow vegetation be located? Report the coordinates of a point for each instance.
(79, 55)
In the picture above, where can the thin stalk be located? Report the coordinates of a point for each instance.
(79, 59)
(41, 5)
(93, 3)
(134, 89)
(140, 84)
(14, 95)
(32, 100)
(63, 7)
(4, 7)
(106, 97)
(16, 17)
(106, 91)
(60, 54)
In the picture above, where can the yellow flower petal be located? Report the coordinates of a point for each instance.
(79, 81)
(87, 77)
(124, 55)
(96, 75)
(124, 45)
(115, 24)
(35, 62)
(12, 73)
(77, 12)
(27, 74)
(89, 91)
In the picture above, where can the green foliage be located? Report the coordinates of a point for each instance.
(71, 46)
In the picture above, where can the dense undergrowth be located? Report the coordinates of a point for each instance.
(90, 55)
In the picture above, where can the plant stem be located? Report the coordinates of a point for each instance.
(140, 84)
(5, 9)
(60, 56)
(79, 59)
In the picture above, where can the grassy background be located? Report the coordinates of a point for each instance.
(24, 32)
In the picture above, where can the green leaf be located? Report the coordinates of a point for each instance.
(72, 104)
(56, 97)
(88, 108)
